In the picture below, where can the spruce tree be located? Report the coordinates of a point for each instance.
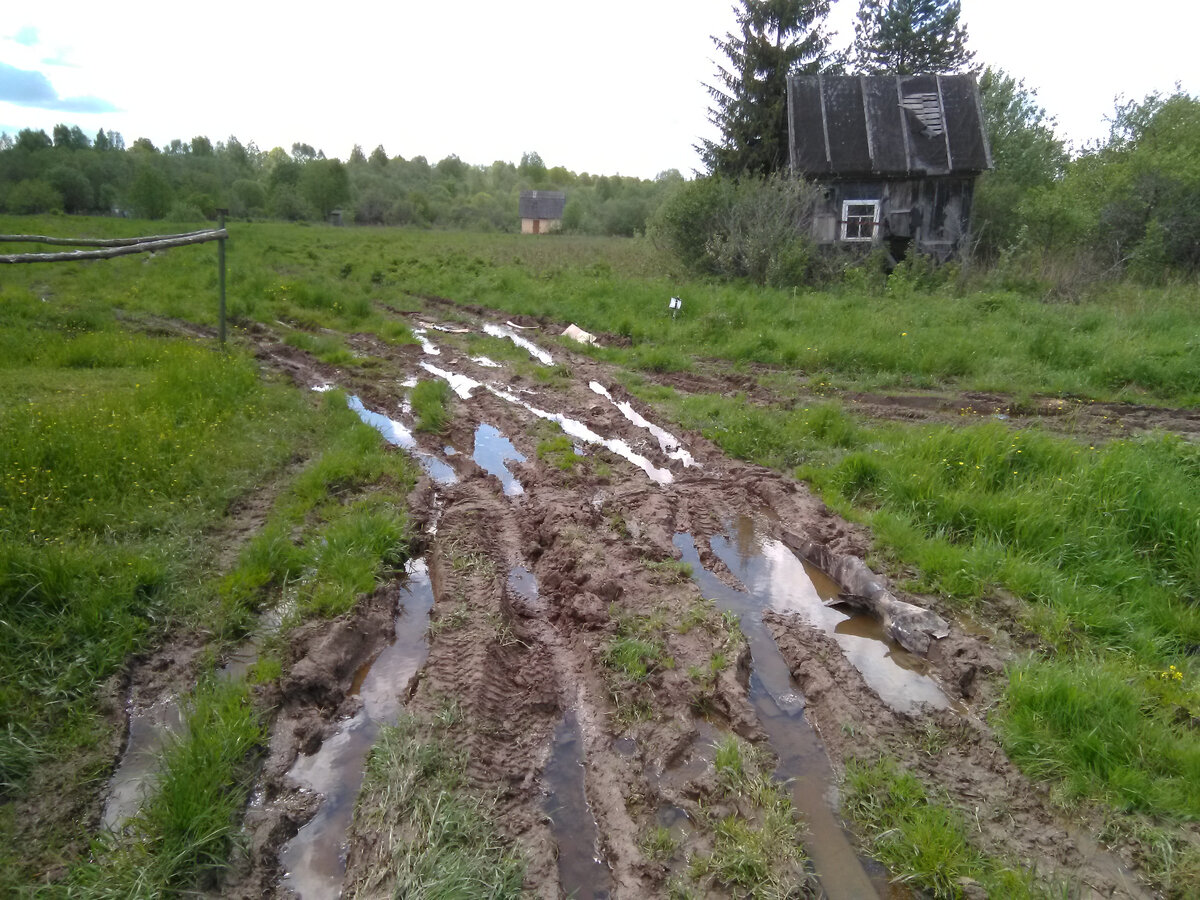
(775, 39)
(907, 37)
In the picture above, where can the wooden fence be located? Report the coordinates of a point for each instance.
(111, 247)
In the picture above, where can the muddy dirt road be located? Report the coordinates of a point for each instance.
(603, 612)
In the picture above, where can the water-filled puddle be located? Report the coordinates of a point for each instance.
(523, 583)
(463, 386)
(151, 731)
(534, 350)
(802, 759)
(460, 384)
(397, 434)
(667, 442)
(776, 579)
(492, 452)
(426, 345)
(314, 860)
(582, 871)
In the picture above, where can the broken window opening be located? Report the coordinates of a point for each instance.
(860, 220)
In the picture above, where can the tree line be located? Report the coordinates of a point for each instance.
(1129, 203)
(67, 171)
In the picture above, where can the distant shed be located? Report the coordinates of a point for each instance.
(898, 156)
(542, 211)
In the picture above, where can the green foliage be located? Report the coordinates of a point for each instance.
(1027, 155)
(775, 40)
(910, 37)
(755, 228)
(925, 841)
(429, 403)
(1132, 203)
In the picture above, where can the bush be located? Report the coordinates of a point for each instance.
(753, 228)
(34, 196)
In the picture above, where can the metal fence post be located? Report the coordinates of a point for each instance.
(221, 269)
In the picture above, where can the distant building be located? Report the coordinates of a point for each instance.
(898, 157)
(541, 211)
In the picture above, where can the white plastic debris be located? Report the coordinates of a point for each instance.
(575, 333)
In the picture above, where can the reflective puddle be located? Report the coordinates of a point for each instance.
(315, 859)
(667, 442)
(151, 731)
(523, 583)
(460, 384)
(582, 871)
(397, 433)
(426, 346)
(463, 385)
(780, 708)
(492, 452)
(534, 350)
(777, 579)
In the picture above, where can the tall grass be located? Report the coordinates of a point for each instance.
(924, 841)
(179, 841)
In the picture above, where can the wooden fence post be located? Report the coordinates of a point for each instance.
(221, 269)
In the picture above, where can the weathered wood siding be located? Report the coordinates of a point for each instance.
(935, 213)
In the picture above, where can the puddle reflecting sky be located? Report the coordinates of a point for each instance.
(582, 871)
(492, 452)
(314, 860)
(777, 579)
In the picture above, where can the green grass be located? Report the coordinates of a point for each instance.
(559, 451)
(180, 839)
(430, 836)
(757, 849)
(430, 401)
(923, 840)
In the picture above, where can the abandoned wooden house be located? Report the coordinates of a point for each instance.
(897, 155)
(541, 211)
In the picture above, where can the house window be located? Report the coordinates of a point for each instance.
(860, 219)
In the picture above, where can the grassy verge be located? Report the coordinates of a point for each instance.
(924, 841)
(179, 841)
(121, 458)
(425, 833)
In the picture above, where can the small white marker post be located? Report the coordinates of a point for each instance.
(675, 305)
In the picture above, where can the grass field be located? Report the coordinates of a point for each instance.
(124, 449)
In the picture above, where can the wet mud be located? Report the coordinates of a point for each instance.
(528, 593)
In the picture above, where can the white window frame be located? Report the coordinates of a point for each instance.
(846, 204)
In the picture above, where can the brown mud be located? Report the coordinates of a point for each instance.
(533, 589)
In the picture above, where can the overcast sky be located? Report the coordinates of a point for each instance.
(607, 88)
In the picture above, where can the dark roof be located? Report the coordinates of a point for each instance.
(895, 125)
(542, 204)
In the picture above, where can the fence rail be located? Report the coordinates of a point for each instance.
(111, 247)
(125, 246)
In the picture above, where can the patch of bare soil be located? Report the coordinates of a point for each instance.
(599, 537)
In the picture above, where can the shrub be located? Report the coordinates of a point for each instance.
(753, 228)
